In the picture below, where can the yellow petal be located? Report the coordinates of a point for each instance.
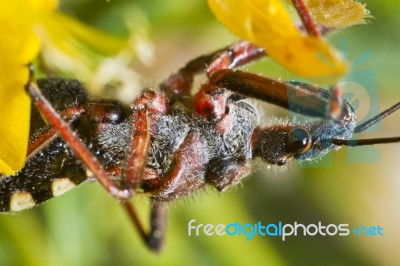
(18, 47)
(68, 30)
(21, 21)
(41, 5)
(72, 47)
(14, 133)
(338, 13)
(268, 24)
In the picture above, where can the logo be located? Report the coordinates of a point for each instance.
(281, 230)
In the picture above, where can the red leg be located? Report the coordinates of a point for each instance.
(75, 143)
(210, 101)
(155, 238)
(314, 101)
(306, 18)
(38, 142)
(186, 175)
(240, 53)
(139, 145)
(147, 106)
(179, 84)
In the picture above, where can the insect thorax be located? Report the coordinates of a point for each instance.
(226, 157)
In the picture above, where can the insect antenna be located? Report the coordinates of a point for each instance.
(376, 119)
(363, 142)
(364, 126)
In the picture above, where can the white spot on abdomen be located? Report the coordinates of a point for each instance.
(21, 201)
(60, 186)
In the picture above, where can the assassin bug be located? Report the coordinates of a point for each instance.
(162, 146)
(185, 149)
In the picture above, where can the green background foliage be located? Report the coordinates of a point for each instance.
(87, 227)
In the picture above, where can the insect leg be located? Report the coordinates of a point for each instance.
(70, 115)
(155, 238)
(306, 18)
(307, 100)
(183, 178)
(187, 172)
(211, 99)
(240, 53)
(158, 220)
(147, 105)
(139, 144)
(244, 52)
(75, 143)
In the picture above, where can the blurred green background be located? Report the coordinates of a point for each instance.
(355, 186)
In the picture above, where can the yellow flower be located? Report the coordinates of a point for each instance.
(26, 26)
(268, 24)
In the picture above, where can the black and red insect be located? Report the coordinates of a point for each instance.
(170, 144)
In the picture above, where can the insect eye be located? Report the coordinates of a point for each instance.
(299, 140)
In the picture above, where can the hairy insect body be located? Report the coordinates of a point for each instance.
(181, 141)
(186, 151)
(192, 142)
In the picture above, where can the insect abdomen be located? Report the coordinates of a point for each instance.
(48, 174)
(53, 170)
